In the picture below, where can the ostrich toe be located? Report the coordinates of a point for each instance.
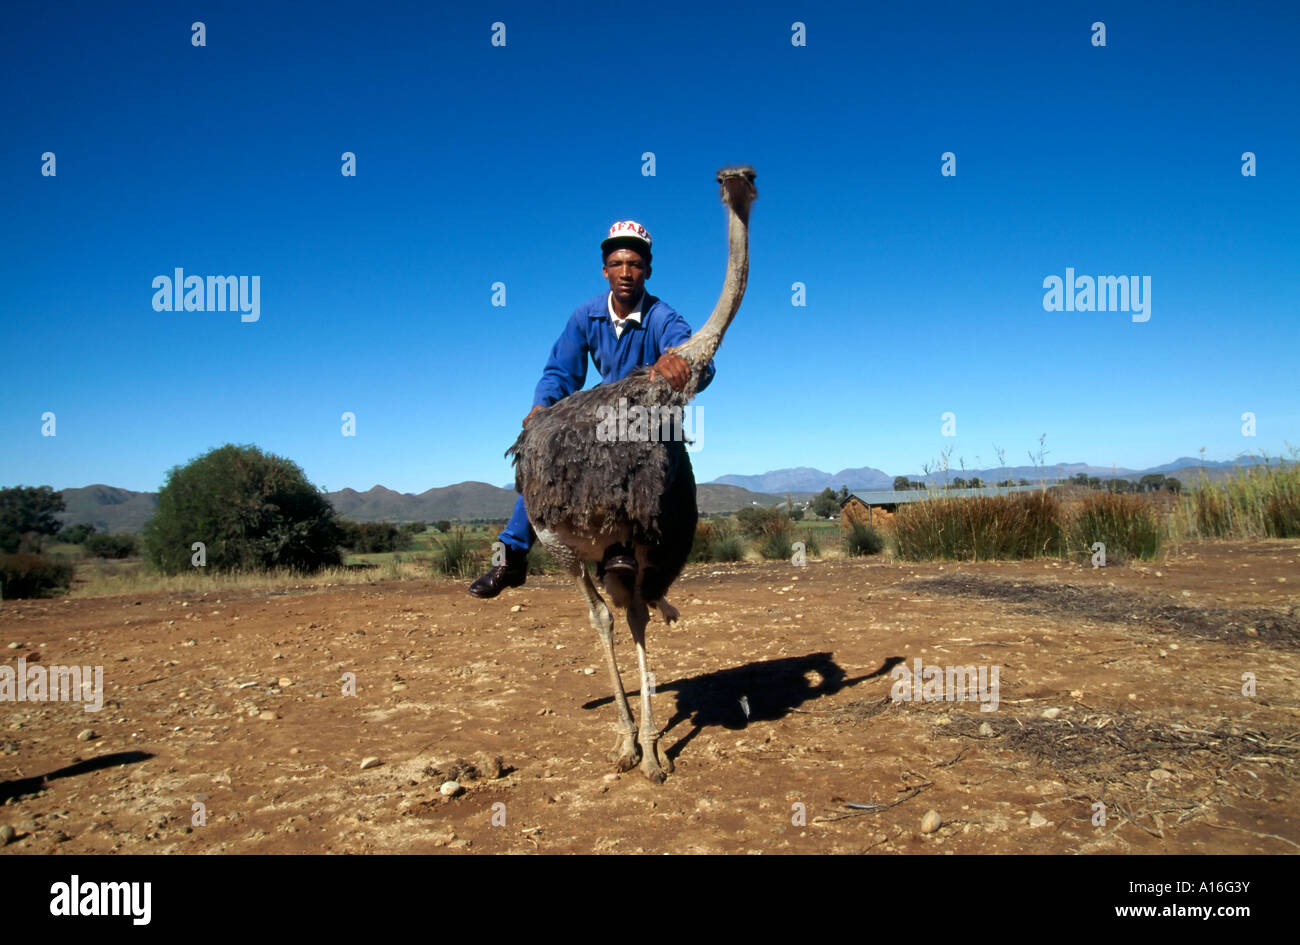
(662, 754)
(669, 612)
(626, 752)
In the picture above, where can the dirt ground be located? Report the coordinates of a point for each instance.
(1120, 687)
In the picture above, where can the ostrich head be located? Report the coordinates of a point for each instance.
(738, 190)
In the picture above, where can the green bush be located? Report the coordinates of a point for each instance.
(861, 539)
(1282, 515)
(716, 540)
(1126, 524)
(1261, 501)
(117, 545)
(778, 539)
(252, 510)
(1023, 525)
(26, 575)
(755, 519)
(456, 555)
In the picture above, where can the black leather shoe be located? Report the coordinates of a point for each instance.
(511, 574)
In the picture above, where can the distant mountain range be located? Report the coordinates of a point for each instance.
(805, 479)
(111, 509)
(108, 508)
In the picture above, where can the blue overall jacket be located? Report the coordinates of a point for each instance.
(590, 331)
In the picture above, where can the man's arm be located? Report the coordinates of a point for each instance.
(677, 332)
(566, 369)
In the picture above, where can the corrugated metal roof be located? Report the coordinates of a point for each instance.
(897, 497)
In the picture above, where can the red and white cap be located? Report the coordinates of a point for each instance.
(627, 234)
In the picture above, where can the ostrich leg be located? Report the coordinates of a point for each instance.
(626, 753)
(655, 763)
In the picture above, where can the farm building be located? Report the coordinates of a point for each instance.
(877, 508)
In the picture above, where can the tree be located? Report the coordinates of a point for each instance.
(120, 545)
(251, 510)
(826, 504)
(365, 538)
(442, 525)
(26, 514)
(76, 534)
(1156, 481)
(901, 484)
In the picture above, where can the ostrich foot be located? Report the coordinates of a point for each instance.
(669, 612)
(655, 763)
(626, 752)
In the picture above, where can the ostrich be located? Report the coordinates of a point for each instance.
(586, 494)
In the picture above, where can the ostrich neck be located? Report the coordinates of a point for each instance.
(704, 343)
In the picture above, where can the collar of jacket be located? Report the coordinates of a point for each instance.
(602, 311)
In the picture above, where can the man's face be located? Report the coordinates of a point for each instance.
(627, 273)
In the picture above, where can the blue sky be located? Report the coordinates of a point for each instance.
(479, 163)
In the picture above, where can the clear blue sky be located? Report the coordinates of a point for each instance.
(478, 164)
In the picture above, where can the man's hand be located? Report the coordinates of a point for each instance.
(673, 368)
(532, 413)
